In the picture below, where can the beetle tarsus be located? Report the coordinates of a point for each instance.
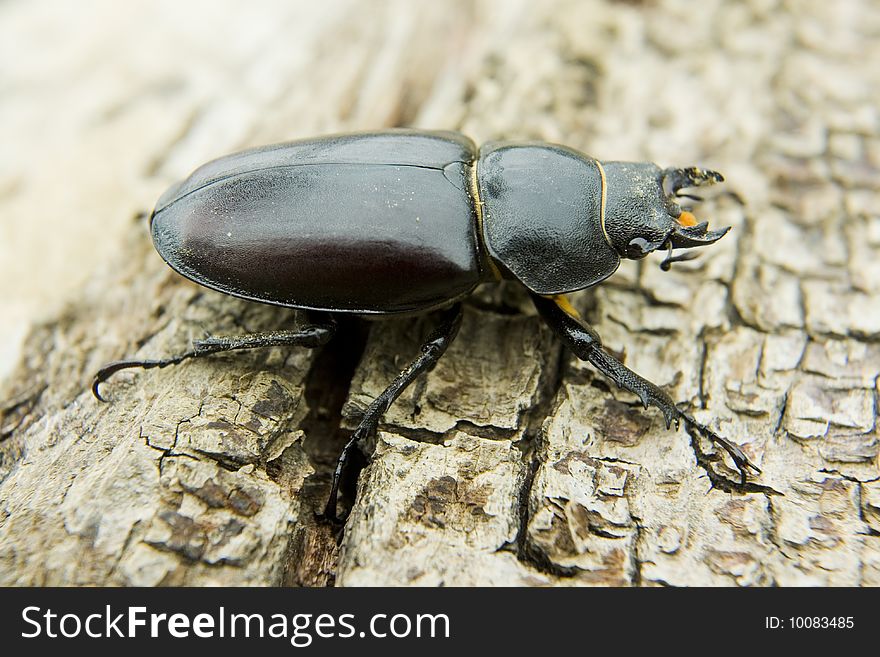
(111, 368)
(310, 336)
(431, 351)
(740, 460)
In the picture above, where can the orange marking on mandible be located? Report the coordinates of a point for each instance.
(687, 219)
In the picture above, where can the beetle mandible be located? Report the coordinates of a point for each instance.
(405, 221)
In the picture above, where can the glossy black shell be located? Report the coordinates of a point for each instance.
(367, 223)
(387, 222)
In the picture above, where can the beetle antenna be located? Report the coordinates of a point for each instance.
(666, 265)
(692, 197)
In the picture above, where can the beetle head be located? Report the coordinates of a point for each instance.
(642, 213)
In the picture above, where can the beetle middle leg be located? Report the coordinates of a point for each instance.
(316, 333)
(432, 349)
(586, 345)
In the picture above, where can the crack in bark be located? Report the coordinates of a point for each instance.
(312, 549)
(533, 441)
(526, 552)
(425, 435)
(847, 477)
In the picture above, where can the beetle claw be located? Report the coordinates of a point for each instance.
(109, 370)
(329, 514)
(97, 393)
(738, 456)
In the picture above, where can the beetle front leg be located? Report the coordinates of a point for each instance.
(432, 349)
(318, 332)
(586, 345)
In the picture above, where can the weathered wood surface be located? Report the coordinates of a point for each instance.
(510, 463)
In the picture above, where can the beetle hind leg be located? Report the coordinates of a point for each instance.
(432, 349)
(314, 334)
(586, 345)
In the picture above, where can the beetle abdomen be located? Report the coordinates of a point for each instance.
(542, 215)
(371, 223)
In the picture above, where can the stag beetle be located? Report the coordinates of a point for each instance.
(406, 221)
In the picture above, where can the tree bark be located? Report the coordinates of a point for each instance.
(511, 463)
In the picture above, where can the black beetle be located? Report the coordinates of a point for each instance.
(405, 221)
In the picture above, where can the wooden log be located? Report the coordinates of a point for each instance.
(510, 463)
